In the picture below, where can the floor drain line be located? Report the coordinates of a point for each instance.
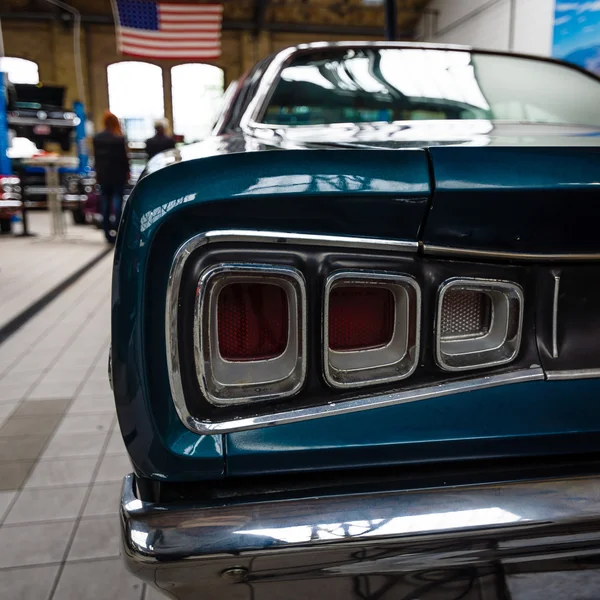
(21, 319)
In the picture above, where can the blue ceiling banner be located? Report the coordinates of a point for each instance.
(577, 33)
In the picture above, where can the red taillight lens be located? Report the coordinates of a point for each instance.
(360, 317)
(253, 321)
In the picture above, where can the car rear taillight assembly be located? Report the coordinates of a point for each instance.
(250, 329)
(249, 333)
(289, 333)
(371, 328)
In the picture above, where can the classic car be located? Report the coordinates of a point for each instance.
(74, 189)
(356, 334)
(37, 112)
(36, 116)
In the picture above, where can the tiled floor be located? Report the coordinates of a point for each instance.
(61, 454)
(30, 267)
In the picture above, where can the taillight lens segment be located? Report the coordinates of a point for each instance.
(479, 323)
(360, 317)
(253, 321)
(250, 329)
(249, 334)
(371, 332)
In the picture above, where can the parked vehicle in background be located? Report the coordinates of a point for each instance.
(37, 112)
(10, 200)
(73, 189)
(366, 363)
(36, 116)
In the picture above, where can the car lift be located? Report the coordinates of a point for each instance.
(6, 163)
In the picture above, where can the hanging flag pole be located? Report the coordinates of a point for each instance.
(391, 15)
(76, 46)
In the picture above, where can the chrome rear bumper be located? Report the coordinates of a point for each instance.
(325, 543)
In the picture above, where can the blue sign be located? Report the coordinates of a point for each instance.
(577, 33)
(5, 163)
(82, 149)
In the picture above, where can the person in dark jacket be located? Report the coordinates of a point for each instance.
(112, 171)
(159, 142)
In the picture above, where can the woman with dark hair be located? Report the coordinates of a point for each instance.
(112, 171)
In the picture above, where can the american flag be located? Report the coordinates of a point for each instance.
(158, 30)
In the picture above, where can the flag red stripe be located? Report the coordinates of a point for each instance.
(190, 13)
(142, 34)
(189, 8)
(179, 44)
(141, 53)
(189, 27)
(181, 18)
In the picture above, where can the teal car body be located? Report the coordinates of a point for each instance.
(172, 205)
(503, 203)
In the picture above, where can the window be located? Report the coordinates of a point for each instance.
(197, 90)
(135, 95)
(390, 84)
(20, 70)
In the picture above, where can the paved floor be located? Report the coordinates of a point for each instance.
(30, 267)
(61, 454)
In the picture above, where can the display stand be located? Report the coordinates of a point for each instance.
(51, 165)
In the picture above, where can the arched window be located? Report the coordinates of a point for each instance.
(20, 70)
(135, 95)
(196, 91)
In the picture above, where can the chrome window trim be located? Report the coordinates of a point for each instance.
(450, 251)
(249, 122)
(210, 373)
(389, 281)
(485, 286)
(236, 235)
(573, 374)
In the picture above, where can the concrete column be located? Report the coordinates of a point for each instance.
(64, 61)
(246, 53)
(168, 97)
(262, 45)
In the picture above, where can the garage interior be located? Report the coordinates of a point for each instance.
(251, 30)
(62, 458)
(43, 33)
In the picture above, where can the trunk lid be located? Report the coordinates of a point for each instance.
(530, 200)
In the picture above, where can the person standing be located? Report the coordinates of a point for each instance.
(160, 141)
(112, 172)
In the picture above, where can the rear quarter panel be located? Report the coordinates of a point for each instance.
(375, 193)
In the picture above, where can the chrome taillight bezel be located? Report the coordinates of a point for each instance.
(396, 360)
(500, 345)
(224, 382)
(325, 255)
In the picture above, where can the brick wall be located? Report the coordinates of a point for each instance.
(50, 45)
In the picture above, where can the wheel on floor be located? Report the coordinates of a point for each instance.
(78, 216)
